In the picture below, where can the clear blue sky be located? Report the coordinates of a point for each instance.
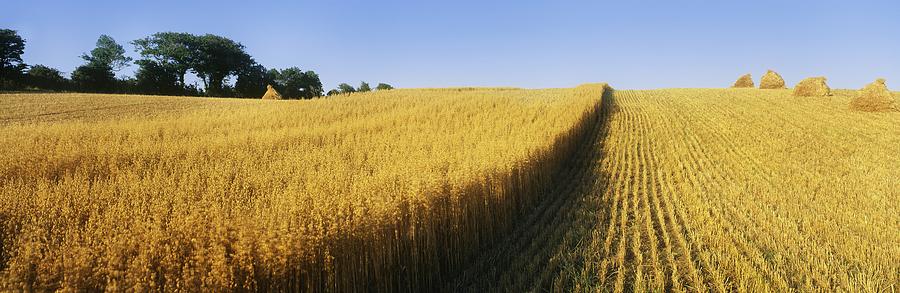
(631, 44)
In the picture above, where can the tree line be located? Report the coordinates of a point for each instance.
(344, 88)
(165, 60)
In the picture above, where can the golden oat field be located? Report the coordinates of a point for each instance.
(584, 189)
(381, 191)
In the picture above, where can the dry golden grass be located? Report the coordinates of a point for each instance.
(740, 190)
(745, 81)
(771, 80)
(812, 87)
(383, 191)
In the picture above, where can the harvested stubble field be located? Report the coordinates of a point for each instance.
(669, 190)
(743, 189)
(717, 190)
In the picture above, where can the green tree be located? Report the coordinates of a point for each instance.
(47, 78)
(217, 58)
(97, 75)
(108, 53)
(157, 79)
(170, 50)
(12, 46)
(289, 82)
(383, 86)
(333, 92)
(94, 77)
(312, 84)
(345, 88)
(294, 83)
(364, 87)
(252, 81)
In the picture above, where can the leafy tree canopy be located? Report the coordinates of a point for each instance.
(345, 88)
(294, 83)
(94, 77)
(252, 81)
(383, 86)
(215, 58)
(168, 49)
(364, 87)
(12, 46)
(108, 53)
(44, 77)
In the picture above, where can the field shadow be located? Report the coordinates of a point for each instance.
(532, 254)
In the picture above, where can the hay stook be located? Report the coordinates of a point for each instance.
(812, 87)
(745, 81)
(771, 80)
(875, 97)
(271, 93)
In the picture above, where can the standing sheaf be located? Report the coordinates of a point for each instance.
(271, 93)
(812, 87)
(875, 97)
(771, 80)
(745, 81)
